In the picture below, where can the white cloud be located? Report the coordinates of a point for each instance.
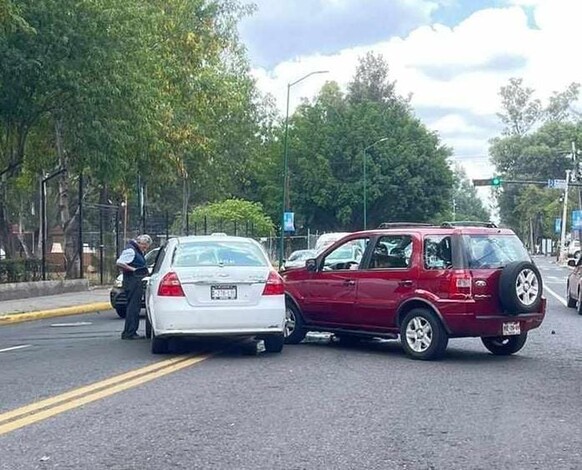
(460, 69)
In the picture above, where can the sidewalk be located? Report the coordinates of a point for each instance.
(34, 308)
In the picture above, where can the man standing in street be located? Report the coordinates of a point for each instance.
(133, 264)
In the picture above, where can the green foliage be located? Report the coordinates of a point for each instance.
(468, 205)
(19, 270)
(526, 152)
(407, 174)
(230, 211)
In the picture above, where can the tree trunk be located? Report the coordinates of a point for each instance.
(12, 147)
(68, 222)
(185, 202)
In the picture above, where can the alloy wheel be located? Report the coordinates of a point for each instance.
(527, 287)
(290, 321)
(419, 334)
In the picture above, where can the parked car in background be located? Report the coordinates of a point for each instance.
(297, 258)
(214, 286)
(573, 247)
(327, 239)
(425, 284)
(117, 296)
(574, 285)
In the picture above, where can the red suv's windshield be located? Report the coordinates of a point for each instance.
(494, 250)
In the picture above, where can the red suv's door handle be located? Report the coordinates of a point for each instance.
(349, 282)
(405, 283)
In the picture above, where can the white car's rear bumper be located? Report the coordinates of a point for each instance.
(178, 318)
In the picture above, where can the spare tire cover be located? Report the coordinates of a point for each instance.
(520, 288)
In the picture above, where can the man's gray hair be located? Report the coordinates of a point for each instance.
(146, 239)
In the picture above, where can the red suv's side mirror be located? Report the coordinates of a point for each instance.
(311, 265)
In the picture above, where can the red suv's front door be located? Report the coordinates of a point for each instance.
(331, 294)
(389, 278)
(330, 298)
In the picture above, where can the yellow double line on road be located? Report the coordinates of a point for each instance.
(35, 412)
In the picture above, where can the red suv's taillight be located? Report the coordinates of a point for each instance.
(274, 285)
(461, 282)
(170, 286)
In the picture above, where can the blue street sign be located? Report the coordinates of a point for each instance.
(577, 220)
(557, 225)
(288, 222)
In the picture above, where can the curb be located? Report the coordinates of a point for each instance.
(12, 318)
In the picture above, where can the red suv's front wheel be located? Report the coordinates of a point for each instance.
(422, 335)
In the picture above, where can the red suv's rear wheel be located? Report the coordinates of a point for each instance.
(422, 335)
(520, 287)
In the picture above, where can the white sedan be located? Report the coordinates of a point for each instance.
(214, 286)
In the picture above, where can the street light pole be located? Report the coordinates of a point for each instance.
(383, 139)
(286, 166)
(563, 251)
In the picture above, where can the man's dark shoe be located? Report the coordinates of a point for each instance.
(134, 336)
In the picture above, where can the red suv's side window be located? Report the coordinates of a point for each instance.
(437, 252)
(392, 251)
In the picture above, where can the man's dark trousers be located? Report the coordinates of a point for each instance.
(133, 287)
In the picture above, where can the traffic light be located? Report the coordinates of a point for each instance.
(496, 181)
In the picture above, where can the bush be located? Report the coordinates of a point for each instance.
(19, 270)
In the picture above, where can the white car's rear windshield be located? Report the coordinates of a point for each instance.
(195, 254)
(494, 250)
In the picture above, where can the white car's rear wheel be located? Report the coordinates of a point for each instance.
(159, 345)
(274, 344)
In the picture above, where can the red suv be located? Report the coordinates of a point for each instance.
(423, 282)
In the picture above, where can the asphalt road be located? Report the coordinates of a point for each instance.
(316, 405)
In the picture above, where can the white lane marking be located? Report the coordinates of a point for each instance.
(14, 348)
(554, 279)
(78, 323)
(560, 299)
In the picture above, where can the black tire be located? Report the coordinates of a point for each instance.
(422, 335)
(120, 311)
(579, 305)
(520, 288)
(159, 345)
(571, 302)
(505, 345)
(274, 344)
(296, 333)
(148, 327)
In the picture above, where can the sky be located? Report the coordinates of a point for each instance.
(452, 56)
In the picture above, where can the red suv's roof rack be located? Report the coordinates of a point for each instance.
(403, 224)
(468, 223)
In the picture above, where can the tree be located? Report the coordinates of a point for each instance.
(521, 110)
(523, 153)
(407, 174)
(468, 206)
(245, 215)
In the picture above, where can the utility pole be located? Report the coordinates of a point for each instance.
(563, 251)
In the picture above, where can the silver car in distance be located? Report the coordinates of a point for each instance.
(216, 285)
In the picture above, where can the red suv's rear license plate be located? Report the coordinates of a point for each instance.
(511, 328)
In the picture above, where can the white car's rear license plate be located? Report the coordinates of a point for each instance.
(223, 292)
(511, 328)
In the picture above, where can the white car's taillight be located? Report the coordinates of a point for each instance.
(170, 286)
(274, 285)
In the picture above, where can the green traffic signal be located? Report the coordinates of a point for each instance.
(496, 181)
